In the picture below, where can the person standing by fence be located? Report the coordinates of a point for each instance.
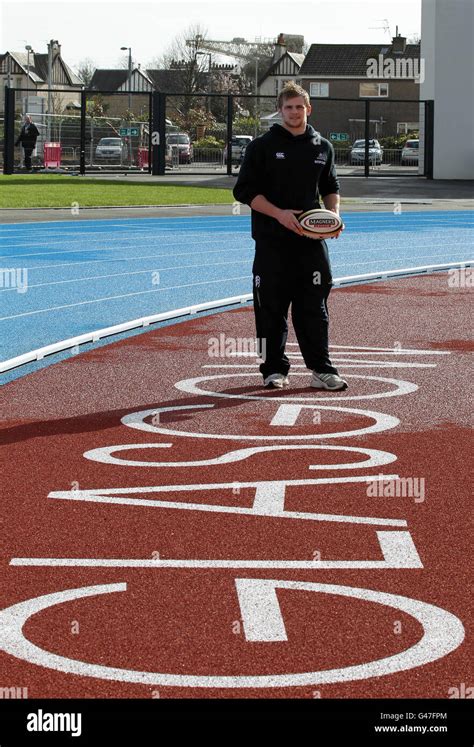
(27, 137)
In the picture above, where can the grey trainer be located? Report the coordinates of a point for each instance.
(329, 381)
(276, 381)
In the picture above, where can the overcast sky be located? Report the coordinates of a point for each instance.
(98, 29)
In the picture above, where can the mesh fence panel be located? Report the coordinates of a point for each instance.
(197, 136)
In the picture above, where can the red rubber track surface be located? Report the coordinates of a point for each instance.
(187, 621)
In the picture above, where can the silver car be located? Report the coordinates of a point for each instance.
(357, 154)
(410, 152)
(110, 149)
(238, 145)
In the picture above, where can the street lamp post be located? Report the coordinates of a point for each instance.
(129, 101)
(256, 97)
(208, 54)
(124, 49)
(29, 49)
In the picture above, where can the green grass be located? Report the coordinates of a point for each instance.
(46, 190)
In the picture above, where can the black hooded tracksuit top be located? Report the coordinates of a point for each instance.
(28, 135)
(291, 171)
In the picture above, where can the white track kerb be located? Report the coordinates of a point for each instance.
(99, 334)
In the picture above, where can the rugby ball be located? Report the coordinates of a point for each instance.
(320, 224)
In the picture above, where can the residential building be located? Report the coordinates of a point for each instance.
(29, 71)
(285, 66)
(365, 72)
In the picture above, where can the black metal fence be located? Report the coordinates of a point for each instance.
(168, 133)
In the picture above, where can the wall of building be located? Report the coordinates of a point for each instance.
(447, 30)
(349, 116)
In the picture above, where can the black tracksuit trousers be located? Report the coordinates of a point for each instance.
(296, 273)
(27, 151)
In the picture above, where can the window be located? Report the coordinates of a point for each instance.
(178, 139)
(318, 90)
(373, 89)
(403, 128)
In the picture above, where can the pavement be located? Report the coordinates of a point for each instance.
(358, 194)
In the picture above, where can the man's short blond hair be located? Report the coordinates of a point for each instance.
(290, 91)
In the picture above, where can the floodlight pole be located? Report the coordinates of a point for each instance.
(129, 76)
(29, 49)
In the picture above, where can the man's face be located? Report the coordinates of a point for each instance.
(294, 113)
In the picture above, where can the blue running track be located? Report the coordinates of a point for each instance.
(96, 273)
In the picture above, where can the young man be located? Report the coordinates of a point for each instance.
(283, 173)
(27, 137)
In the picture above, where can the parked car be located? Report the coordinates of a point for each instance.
(238, 145)
(357, 153)
(182, 142)
(168, 156)
(410, 152)
(111, 149)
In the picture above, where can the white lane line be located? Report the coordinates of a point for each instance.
(398, 551)
(124, 295)
(402, 258)
(150, 271)
(410, 219)
(45, 226)
(135, 258)
(132, 225)
(287, 565)
(212, 240)
(117, 247)
(157, 236)
(378, 247)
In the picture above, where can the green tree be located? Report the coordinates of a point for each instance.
(96, 107)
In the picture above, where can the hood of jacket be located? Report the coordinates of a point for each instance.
(282, 132)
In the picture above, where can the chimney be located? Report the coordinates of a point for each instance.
(55, 48)
(280, 48)
(399, 44)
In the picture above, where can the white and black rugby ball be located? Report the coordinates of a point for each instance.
(320, 224)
